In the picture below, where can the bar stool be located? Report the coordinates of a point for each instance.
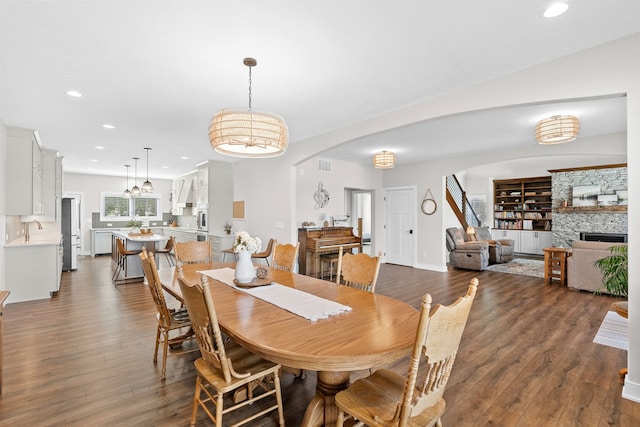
(122, 254)
(167, 250)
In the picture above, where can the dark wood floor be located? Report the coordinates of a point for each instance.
(527, 358)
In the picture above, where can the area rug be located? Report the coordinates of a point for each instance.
(614, 331)
(521, 266)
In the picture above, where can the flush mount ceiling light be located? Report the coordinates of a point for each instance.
(556, 9)
(384, 160)
(127, 194)
(135, 190)
(244, 132)
(557, 129)
(147, 187)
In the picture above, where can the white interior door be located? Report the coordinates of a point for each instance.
(399, 226)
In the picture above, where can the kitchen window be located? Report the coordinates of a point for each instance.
(114, 207)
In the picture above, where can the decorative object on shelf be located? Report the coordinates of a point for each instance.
(147, 187)
(429, 205)
(557, 129)
(135, 190)
(384, 160)
(127, 194)
(241, 132)
(585, 195)
(321, 196)
(326, 220)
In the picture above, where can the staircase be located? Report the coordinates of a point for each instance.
(457, 198)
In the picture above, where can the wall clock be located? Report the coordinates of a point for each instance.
(429, 205)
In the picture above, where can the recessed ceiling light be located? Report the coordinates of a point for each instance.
(93, 160)
(165, 167)
(74, 93)
(108, 126)
(184, 158)
(99, 147)
(556, 9)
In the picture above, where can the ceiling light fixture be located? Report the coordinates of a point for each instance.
(135, 190)
(127, 193)
(147, 187)
(74, 94)
(384, 160)
(557, 129)
(241, 132)
(556, 9)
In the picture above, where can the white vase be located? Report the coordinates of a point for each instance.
(245, 271)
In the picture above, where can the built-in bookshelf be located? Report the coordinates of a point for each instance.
(522, 204)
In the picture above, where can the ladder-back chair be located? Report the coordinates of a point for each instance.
(284, 256)
(358, 271)
(389, 399)
(168, 320)
(193, 252)
(225, 366)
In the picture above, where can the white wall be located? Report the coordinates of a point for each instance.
(344, 175)
(3, 201)
(91, 186)
(608, 69)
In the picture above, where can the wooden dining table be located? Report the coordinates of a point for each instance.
(377, 331)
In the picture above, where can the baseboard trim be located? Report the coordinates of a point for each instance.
(631, 391)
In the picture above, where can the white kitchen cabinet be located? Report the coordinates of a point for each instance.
(27, 283)
(24, 172)
(51, 184)
(533, 242)
(514, 235)
(180, 235)
(220, 242)
(220, 198)
(100, 242)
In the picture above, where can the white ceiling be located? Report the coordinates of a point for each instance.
(158, 70)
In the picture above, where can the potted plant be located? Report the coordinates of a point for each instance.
(615, 271)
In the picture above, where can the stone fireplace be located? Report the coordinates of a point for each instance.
(569, 222)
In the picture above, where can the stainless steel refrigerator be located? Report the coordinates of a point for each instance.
(70, 234)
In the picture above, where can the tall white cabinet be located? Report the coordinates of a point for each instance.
(24, 172)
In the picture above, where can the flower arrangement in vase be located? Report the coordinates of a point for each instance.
(244, 245)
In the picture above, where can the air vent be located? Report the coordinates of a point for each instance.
(324, 165)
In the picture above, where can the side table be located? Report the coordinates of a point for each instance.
(555, 265)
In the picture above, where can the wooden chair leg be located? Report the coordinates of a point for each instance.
(155, 353)
(196, 399)
(165, 349)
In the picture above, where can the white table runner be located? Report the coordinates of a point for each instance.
(303, 304)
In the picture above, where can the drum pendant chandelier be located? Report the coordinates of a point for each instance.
(384, 160)
(244, 132)
(557, 129)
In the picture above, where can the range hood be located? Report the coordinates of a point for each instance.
(185, 195)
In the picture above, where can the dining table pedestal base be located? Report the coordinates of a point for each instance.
(322, 410)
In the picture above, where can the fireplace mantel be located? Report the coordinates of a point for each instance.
(585, 209)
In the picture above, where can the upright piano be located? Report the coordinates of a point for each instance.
(317, 241)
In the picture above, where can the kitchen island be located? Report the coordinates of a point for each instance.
(132, 270)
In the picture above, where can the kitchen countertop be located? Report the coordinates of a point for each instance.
(35, 241)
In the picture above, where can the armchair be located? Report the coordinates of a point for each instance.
(466, 255)
(499, 250)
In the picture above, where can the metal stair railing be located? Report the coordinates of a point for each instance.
(457, 198)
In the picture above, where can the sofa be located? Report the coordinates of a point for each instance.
(582, 274)
(500, 250)
(464, 254)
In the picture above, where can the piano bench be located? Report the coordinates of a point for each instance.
(332, 260)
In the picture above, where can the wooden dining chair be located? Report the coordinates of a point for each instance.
(389, 399)
(168, 320)
(266, 253)
(225, 366)
(358, 271)
(193, 252)
(122, 254)
(168, 250)
(284, 256)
